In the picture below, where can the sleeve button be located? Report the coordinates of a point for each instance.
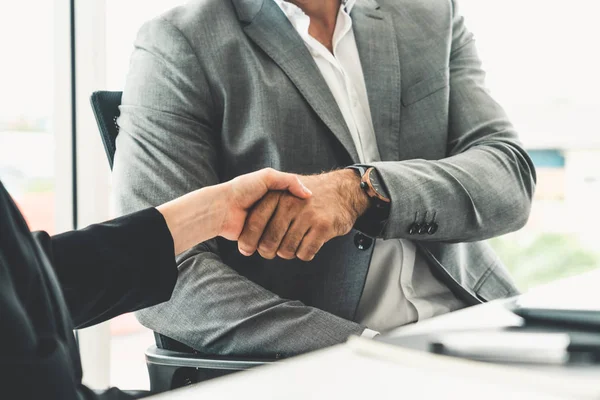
(414, 229)
(433, 228)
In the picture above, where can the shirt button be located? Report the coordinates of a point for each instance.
(362, 242)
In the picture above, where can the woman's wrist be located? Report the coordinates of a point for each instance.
(196, 217)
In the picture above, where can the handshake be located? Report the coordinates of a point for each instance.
(287, 215)
(272, 212)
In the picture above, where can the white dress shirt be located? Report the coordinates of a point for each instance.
(400, 288)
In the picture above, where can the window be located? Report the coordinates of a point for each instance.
(27, 140)
(542, 67)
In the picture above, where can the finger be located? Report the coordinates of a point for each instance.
(256, 223)
(277, 180)
(310, 246)
(250, 188)
(276, 229)
(292, 239)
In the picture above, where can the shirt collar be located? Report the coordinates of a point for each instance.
(291, 10)
(349, 5)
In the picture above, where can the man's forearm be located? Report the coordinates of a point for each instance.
(349, 186)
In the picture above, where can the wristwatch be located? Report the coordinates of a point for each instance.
(373, 221)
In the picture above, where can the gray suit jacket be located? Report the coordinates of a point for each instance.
(218, 88)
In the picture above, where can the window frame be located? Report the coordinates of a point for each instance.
(82, 26)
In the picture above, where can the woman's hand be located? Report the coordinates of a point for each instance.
(221, 210)
(247, 190)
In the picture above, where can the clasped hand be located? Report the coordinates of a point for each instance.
(284, 225)
(268, 210)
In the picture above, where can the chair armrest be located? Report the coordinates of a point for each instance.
(137, 394)
(170, 358)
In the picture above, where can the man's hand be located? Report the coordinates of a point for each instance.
(289, 227)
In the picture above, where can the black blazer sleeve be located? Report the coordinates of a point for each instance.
(115, 267)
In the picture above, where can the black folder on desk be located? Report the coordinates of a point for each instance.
(573, 309)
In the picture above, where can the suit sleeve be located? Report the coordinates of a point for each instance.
(485, 186)
(112, 268)
(168, 146)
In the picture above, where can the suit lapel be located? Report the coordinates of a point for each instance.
(268, 27)
(378, 50)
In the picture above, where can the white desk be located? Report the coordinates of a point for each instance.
(365, 369)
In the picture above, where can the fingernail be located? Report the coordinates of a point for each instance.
(245, 253)
(306, 190)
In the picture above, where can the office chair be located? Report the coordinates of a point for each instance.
(170, 364)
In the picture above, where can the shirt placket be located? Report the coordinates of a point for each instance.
(343, 26)
(356, 110)
(318, 50)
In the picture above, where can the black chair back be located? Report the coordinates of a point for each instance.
(106, 110)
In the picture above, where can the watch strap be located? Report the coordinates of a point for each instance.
(360, 169)
(374, 220)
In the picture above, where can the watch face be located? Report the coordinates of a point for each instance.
(376, 183)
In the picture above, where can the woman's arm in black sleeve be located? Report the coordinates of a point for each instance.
(115, 267)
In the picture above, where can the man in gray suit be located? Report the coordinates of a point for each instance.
(391, 88)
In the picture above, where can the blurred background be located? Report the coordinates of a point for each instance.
(542, 61)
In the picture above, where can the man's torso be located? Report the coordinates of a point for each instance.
(272, 108)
